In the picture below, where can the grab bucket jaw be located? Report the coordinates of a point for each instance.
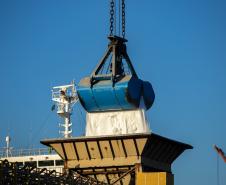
(103, 96)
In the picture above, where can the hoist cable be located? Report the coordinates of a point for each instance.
(115, 18)
(112, 12)
(121, 18)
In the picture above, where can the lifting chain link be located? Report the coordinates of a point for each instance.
(112, 12)
(123, 19)
(112, 19)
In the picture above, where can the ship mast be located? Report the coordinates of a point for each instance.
(65, 97)
(8, 148)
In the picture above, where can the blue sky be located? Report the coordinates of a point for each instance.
(179, 46)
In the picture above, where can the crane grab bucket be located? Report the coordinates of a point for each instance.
(117, 88)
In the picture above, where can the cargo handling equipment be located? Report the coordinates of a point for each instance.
(116, 89)
(123, 159)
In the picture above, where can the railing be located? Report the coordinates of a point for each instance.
(26, 152)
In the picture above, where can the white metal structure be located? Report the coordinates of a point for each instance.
(8, 148)
(65, 97)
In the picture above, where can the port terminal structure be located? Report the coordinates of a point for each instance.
(124, 159)
(130, 158)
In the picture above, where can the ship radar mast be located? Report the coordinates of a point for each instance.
(8, 148)
(65, 97)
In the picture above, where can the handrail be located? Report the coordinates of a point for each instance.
(26, 152)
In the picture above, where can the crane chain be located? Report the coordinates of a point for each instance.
(112, 12)
(112, 19)
(123, 19)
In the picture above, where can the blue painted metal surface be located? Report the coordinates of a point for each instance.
(148, 94)
(123, 95)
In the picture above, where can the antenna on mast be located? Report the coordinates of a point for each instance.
(65, 97)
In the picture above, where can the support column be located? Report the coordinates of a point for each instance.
(154, 178)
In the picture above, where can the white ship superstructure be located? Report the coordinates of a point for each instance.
(40, 158)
